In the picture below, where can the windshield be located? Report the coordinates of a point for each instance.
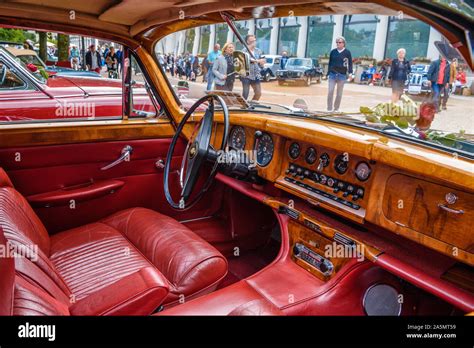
(383, 73)
(34, 67)
(299, 62)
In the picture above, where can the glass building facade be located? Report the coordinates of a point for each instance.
(359, 32)
(263, 30)
(320, 32)
(288, 35)
(410, 34)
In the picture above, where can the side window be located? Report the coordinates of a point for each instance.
(72, 78)
(144, 103)
(9, 80)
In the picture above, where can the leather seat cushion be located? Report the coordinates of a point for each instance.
(191, 265)
(92, 257)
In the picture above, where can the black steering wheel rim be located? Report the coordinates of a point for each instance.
(209, 114)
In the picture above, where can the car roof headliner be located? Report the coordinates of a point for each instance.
(134, 16)
(141, 22)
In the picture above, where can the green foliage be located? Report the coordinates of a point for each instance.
(15, 35)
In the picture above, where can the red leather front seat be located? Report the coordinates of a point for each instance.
(127, 264)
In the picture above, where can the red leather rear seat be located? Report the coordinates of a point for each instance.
(127, 264)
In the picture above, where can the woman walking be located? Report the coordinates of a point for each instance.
(399, 74)
(223, 69)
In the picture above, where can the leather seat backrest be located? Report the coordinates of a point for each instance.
(19, 296)
(18, 219)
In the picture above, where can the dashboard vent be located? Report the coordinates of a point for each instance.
(341, 239)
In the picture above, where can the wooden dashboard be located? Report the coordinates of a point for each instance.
(422, 194)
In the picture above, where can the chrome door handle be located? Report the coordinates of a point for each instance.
(125, 157)
(450, 210)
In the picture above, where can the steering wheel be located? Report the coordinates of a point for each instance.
(198, 151)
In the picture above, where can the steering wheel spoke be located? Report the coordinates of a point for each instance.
(196, 154)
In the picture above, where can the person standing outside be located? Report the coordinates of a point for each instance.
(74, 57)
(223, 69)
(284, 59)
(93, 60)
(340, 64)
(399, 74)
(438, 79)
(254, 74)
(211, 57)
(453, 67)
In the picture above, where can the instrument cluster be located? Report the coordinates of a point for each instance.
(341, 163)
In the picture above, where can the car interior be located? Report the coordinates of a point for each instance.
(135, 214)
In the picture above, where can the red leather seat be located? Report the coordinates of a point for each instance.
(127, 264)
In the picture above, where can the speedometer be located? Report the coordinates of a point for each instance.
(237, 138)
(363, 171)
(264, 149)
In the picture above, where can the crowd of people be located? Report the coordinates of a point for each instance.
(95, 59)
(217, 69)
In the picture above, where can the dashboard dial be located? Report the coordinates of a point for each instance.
(264, 148)
(294, 150)
(341, 163)
(324, 159)
(310, 156)
(363, 171)
(237, 138)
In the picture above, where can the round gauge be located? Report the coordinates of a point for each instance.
(363, 171)
(294, 151)
(324, 159)
(237, 138)
(310, 155)
(341, 163)
(264, 149)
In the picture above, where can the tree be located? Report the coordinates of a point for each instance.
(63, 47)
(43, 39)
(15, 35)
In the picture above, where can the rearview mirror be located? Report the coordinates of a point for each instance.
(241, 63)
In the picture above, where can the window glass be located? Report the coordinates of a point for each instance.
(221, 34)
(243, 28)
(144, 104)
(205, 36)
(263, 31)
(320, 31)
(359, 32)
(8, 79)
(70, 78)
(410, 34)
(288, 35)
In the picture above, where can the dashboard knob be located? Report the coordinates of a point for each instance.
(323, 179)
(336, 190)
(355, 197)
(360, 192)
(345, 194)
(331, 182)
(323, 267)
(296, 250)
(306, 173)
(258, 134)
(350, 188)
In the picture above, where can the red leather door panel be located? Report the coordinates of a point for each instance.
(48, 172)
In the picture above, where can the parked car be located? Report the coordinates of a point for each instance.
(271, 66)
(302, 70)
(417, 82)
(30, 56)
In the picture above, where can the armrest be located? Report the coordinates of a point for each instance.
(78, 193)
(140, 293)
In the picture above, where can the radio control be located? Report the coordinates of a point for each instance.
(314, 259)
